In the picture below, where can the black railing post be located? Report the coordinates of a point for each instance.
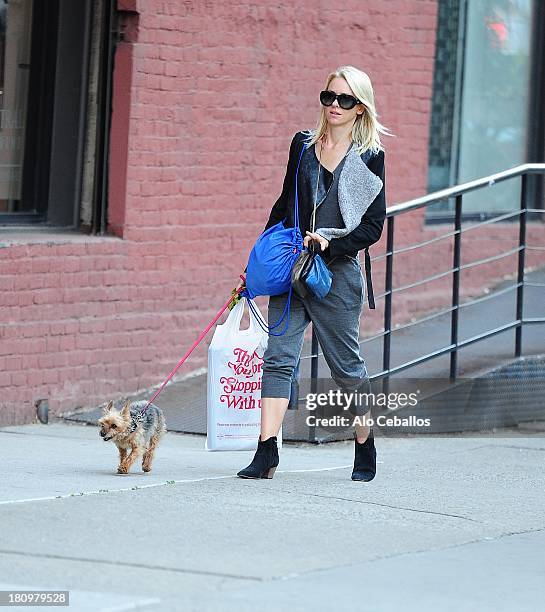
(520, 274)
(388, 301)
(455, 287)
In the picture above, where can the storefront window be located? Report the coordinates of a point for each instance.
(484, 66)
(15, 43)
(494, 109)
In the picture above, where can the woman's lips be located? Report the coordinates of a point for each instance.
(334, 113)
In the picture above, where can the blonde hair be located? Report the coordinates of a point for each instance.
(366, 129)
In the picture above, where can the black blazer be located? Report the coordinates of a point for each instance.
(362, 237)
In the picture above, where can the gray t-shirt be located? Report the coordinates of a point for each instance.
(328, 213)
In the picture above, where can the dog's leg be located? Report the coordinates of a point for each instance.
(122, 457)
(148, 455)
(129, 460)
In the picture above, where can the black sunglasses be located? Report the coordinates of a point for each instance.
(345, 101)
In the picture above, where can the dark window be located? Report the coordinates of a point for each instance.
(15, 45)
(52, 56)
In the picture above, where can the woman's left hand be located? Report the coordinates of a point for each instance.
(316, 238)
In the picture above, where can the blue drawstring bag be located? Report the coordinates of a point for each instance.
(271, 261)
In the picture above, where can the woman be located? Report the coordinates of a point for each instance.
(342, 172)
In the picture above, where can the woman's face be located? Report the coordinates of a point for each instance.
(335, 115)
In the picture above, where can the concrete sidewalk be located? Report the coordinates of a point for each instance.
(448, 524)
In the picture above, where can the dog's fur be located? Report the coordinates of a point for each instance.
(134, 431)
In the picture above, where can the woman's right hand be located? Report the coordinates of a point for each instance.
(236, 291)
(241, 282)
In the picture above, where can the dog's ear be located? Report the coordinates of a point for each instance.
(108, 407)
(126, 411)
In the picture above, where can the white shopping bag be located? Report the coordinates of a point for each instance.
(235, 359)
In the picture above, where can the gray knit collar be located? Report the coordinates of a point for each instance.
(358, 187)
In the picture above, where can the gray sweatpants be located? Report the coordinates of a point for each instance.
(336, 321)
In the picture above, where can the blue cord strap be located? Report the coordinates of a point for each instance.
(296, 219)
(285, 316)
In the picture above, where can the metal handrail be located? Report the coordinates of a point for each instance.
(474, 226)
(449, 192)
(523, 170)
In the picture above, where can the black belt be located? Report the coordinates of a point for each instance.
(368, 281)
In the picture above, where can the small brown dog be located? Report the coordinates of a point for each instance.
(133, 430)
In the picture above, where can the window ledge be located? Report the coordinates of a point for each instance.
(12, 236)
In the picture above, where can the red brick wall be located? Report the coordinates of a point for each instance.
(200, 135)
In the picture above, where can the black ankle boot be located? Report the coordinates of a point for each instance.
(265, 460)
(365, 459)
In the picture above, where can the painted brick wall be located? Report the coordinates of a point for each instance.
(207, 97)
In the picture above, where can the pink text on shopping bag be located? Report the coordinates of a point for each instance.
(238, 390)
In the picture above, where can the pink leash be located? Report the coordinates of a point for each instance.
(196, 343)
